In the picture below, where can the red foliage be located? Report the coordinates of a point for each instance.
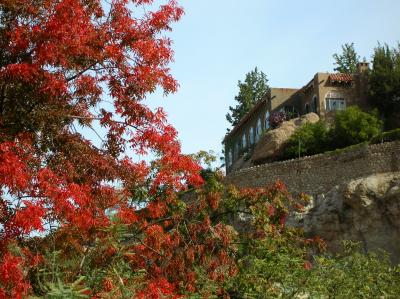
(271, 210)
(108, 285)
(158, 289)
(73, 62)
(276, 119)
(12, 280)
(307, 265)
(213, 199)
(29, 218)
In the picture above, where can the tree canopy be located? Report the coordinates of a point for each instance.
(346, 62)
(73, 64)
(384, 82)
(253, 89)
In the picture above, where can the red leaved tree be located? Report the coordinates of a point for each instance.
(91, 63)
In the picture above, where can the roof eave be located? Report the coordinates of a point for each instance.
(245, 118)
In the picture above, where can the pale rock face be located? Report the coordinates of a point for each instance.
(272, 143)
(365, 210)
(242, 162)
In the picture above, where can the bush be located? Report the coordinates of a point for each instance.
(278, 271)
(354, 126)
(310, 139)
(276, 119)
(351, 126)
(386, 136)
(275, 260)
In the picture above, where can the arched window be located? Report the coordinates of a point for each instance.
(244, 141)
(251, 137)
(307, 108)
(229, 158)
(267, 120)
(335, 101)
(314, 105)
(258, 130)
(236, 151)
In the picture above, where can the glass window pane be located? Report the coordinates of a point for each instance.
(258, 130)
(267, 120)
(251, 135)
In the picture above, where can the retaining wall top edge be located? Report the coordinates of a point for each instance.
(313, 157)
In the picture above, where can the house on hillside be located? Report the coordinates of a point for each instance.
(324, 94)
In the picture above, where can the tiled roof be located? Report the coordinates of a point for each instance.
(339, 77)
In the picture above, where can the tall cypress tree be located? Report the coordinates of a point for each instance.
(254, 87)
(347, 61)
(385, 83)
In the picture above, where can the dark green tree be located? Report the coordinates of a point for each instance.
(310, 139)
(385, 84)
(353, 126)
(254, 87)
(347, 61)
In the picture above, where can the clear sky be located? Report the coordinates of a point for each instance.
(217, 42)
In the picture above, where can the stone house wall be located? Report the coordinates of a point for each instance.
(320, 173)
(234, 143)
(310, 98)
(270, 103)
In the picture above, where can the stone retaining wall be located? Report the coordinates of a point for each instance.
(320, 173)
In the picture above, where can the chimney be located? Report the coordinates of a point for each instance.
(362, 67)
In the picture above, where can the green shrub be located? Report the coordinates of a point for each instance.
(310, 139)
(386, 136)
(351, 126)
(353, 274)
(354, 126)
(271, 271)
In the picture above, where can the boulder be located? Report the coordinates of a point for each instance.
(243, 162)
(366, 210)
(272, 143)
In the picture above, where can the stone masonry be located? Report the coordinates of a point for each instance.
(318, 174)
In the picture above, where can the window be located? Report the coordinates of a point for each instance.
(251, 133)
(229, 158)
(291, 112)
(236, 151)
(314, 105)
(307, 108)
(244, 141)
(258, 130)
(335, 101)
(267, 120)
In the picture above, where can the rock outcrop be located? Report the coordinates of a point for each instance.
(243, 162)
(365, 210)
(272, 143)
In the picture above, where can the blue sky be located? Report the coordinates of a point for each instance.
(217, 42)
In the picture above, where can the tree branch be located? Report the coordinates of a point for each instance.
(100, 118)
(81, 72)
